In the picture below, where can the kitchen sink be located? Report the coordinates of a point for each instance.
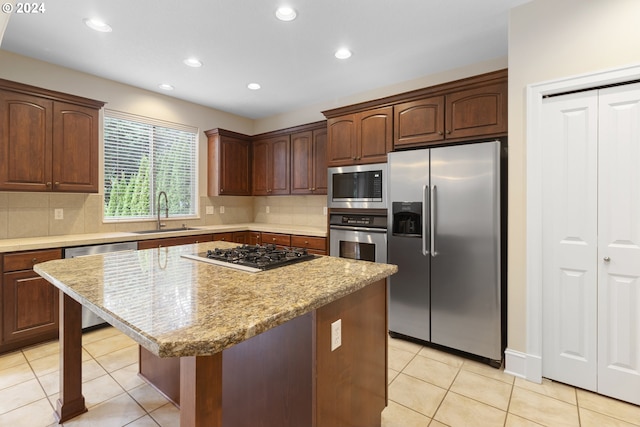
(164, 230)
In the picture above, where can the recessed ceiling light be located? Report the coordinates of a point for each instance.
(193, 62)
(285, 13)
(165, 86)
(98, 25)
(253, 86)
(343, 53)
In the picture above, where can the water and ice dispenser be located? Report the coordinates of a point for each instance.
(407, 219)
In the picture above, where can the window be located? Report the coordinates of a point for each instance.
(143, 157)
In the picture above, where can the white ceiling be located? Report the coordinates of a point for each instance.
(241, 41)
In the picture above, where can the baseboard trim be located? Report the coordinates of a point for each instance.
(522, 365)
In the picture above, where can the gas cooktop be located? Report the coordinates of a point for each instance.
(252, 258)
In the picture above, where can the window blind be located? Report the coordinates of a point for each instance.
(143, 157)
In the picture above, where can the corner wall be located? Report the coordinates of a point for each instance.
(550, 39)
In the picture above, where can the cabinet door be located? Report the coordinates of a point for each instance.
(302, 163)
(419, 122)
(25, 142)
(234, 173)
(255, 238)
(260, 168)
(375, 136)
(75, 148)
(477, 112)
(30, 308)
(280, 165)
(241, 237)
(174, 241)
(224, 237)
(342, 140)
(319, 160)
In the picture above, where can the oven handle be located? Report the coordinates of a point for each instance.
(369, 229)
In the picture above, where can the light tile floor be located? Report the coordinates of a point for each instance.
(426, 388)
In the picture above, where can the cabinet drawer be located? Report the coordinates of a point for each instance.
(26, 260)
(173, 241)
(225, 237)
(318, 243)
(276, 239)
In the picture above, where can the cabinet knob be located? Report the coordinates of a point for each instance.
(222, 190)
(607, 259)
(34, 260)
(448, 131)
(439, 132)
(274, 239)
(48, 184)
(56, 183)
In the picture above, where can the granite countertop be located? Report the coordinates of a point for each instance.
(175, 306)
(69, 240)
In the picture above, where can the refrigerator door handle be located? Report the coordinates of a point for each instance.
(432, 218)
(425, 209)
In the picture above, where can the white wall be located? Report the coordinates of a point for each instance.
(550, 39)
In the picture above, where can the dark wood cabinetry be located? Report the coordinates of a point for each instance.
(271, 167)
(457, 111)
(48, 140)
(29, 302)
(174, 241)
(475, 112)
(236, 236)
(309, 162)
(314, 245)
(362, 137)
(229, 163)
(276, 239)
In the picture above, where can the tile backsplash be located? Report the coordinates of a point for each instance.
(34, 214)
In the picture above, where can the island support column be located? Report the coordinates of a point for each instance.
(201, 391)
(71, 401)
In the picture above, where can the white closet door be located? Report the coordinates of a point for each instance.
(619, 243)
(569, 239)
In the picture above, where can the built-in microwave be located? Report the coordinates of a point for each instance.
(358, 186)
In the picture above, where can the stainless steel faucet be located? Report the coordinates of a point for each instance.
(166, 209)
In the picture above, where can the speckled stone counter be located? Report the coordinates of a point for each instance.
(177, 307)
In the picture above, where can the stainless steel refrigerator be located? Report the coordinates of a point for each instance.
(444, 233)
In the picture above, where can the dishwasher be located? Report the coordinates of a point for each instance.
(89, 319)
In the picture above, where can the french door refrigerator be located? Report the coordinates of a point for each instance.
(444, 234)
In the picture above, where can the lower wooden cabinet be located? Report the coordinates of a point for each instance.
(236, 236)
(276, 239)
(314, 245)
(174, 241)
(29, 303)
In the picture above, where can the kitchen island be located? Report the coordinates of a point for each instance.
(247, 348)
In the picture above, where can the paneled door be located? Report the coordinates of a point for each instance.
(569, 239)
(591, 241)
(619, 243)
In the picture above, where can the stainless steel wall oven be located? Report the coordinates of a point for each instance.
(358, 235)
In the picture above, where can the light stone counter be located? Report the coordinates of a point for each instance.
(174, 306)
(65, 241)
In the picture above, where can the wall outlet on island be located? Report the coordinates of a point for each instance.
(210, 210)
(58, 213)
(336, 334)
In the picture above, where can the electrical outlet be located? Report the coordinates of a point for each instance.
(58, 213)
(221, 209)
(268, 209)
(324, 211)
(336, 334)
(210, 210)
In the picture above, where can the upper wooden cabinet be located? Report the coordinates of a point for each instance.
(229, 163)
(362, 137)
(48, 140)
(271, 166)
(462, 114)
(461, 110)
(309, 162)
